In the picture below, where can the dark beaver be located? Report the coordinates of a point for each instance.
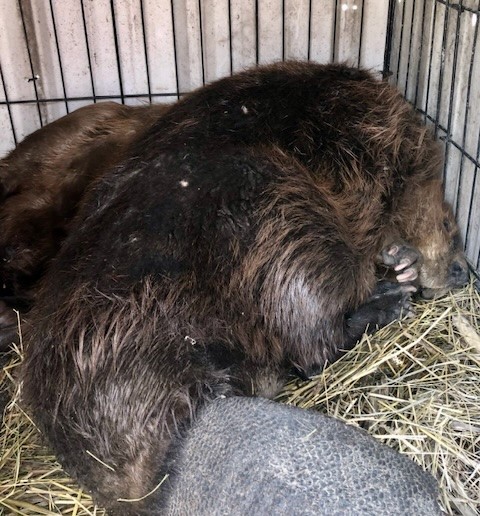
(238, 241)
(43, 180)
(42, 183)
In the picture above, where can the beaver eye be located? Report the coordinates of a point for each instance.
(456, 242)
(447, 225)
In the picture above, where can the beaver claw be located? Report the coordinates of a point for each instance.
(404, 259)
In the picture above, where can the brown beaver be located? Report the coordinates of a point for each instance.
(238, 241)
(42, 183)
(43, 180)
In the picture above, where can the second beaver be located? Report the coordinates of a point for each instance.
(42, 183)
(44, 179)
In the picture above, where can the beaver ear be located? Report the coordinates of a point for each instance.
(447, 224)
(7, 190)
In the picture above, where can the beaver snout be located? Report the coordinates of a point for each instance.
(458, 274)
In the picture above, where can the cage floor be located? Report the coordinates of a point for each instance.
(414, 385)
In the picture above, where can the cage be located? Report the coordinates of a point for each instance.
(56, 56)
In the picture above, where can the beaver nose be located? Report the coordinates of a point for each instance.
(458, 274)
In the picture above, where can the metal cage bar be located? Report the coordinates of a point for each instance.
(446, 51)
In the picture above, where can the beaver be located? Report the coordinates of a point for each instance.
(42, 182)
(238, 241)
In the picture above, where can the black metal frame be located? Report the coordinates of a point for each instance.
(442, 131)
(395, 10)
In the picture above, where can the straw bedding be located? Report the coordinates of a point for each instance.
(414, 385)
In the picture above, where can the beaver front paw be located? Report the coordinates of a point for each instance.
(404, 259)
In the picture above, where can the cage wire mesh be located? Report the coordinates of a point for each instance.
(57, 56)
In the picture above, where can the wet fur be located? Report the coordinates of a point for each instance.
(233, 245)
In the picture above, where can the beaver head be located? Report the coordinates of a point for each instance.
(432, 229)
(444, 265)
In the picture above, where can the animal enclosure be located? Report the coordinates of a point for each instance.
(58, 56)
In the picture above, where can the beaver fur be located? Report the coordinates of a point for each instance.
(238, 241)
(43, 180)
